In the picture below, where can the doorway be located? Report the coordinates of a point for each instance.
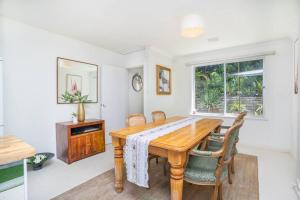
(136, 90)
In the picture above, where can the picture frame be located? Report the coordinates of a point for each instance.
(163, 80)
(84, 74)
(73, 81)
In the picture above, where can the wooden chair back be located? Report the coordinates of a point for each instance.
(225, 152)
(158, 115)
(230, 139)
(136, 120)
(240, 117)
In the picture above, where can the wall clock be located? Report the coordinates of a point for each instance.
(137, 82)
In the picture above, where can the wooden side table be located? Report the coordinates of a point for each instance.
(80, 140)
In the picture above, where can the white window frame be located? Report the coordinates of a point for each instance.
(224, 114)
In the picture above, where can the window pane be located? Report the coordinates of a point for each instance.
(251, 84)
(244, 87)
(209, 89)
(232, 95)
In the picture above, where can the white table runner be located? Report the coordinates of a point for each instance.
(136, 149)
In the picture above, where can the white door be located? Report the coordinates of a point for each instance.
(114, 96)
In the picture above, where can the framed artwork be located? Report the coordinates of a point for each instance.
(163, 80)
(73, 83)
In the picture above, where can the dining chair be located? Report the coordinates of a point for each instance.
(210, 167)
(240, 117)
(215, 142)
(136, 120)
(158, 116)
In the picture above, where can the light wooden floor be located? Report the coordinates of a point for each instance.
(244, 187)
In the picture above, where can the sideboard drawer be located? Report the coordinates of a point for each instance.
(98, 143)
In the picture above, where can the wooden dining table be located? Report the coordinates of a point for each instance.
(174, 146)
(13, 149)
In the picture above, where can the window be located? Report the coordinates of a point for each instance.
(230, 88)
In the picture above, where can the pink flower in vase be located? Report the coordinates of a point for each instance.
(74, 88)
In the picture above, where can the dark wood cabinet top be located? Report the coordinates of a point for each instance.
(85, 123)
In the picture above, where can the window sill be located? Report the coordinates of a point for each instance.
(228, 116)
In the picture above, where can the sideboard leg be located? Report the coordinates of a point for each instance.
(119, 165)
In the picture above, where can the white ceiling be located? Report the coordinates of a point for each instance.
(130, 25)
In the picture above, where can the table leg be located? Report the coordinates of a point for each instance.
(204, 144)
(119, 165)
(218, 129)
(177, 163)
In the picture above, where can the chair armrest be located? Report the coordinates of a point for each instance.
(196, 152)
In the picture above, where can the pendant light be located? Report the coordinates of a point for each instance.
(192, 26)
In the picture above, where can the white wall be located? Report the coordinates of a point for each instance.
(136, 99)
(275, 132)
(1, 97)
(298, 119)
(149, 58)
(135, 59)
(152, 101)
(30, 80)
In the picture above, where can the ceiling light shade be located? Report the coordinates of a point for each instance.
(191, 26)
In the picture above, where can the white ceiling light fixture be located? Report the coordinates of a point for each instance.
(192, 26)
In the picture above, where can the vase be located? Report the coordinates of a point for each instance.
(80, 113)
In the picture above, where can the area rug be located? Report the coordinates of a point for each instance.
(244, 187)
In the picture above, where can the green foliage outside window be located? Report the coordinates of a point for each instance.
(210, 86)
(243, 87)
(236, 107)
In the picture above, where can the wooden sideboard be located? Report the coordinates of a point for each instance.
(81, 140)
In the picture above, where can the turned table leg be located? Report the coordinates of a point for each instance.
(177, 162)
(119, 165)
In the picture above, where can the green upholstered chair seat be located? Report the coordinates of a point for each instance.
(214, 145)
(202, 169)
